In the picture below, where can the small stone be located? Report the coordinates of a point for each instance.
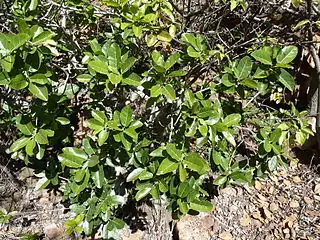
(316, 197)
(317, 189)
(287, 182)
(271, 189)
(296, 179)
(274, 207)
(52, 231)
(44, 200)
(225, 236)
(308, 200)
(245, 220)
(286, 230)
(258, 185)
(294, 204)
(229, 191)
(282, 199)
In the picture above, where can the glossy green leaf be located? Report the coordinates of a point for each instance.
(126, 116)
(174, 152)
(102, 137)
(127, 65)
(164, 36)
(72, 157)
(229, 138)
(169, 92)
(42, 37)
(18, 144)
(244, 68)
(40, 92)
(63, 120)
(134, 175)
(196, 163)
(30, 147)
(98, 177)
(11, 42)
(142, 193)
(167, 166)
(286, 79)
(273, 163)
(133, 79)
(201, 205)
(42, 183)
(99, 66)
(287, 54)
(41, 137)
(84, 78)
(93, 161)
(26, 129)
(263, 55)
(220, 180)
(232, 119)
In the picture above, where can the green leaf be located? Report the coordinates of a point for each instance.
(273, 163)
(193, 53)
(167, 166)
(95, 46)
(98, 177)
(72, 157)
(102, 137)
(18, 144)
(115, 78)
(42, 183)
(183, 206)
(169, 92)
(267, 146)
(134, 175)
(227, 80)
(30, 147)
(63, 120)
(127, 64)
(11, 42)
(99, 66)
(301, 137)
(261, 72)
(196, 163)
(42, 37)
(184, 189)
(182, 173)
(241, 177)
(189, 38)
(7, 63)
(93, 161)
(287, 54)
(40, 92)
(155, 91)
(142, 193)
(151, 40)
(41, 137)
(220, 180)
(174, 152)
(33, 5)
(95, 125)
(300, 24)
(39, 79)
(232, 119)
(201, 205)
(218, 159)
(172, 59)
(229, 138)
(296, 3)
(84, 78)
(177, 73)
(263, 55)
(164, 36)
(114, 55)
(26, 129)
(18, 82)
(99, 116)
(286, 79)
(126, 116)
(244, 67)
(131, 132)
(133, 79)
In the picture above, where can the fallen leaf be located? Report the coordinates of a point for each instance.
(225, 236)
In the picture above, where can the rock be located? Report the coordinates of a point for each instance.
(258, 185)
(274, 207)
(229, 191)
(294, 204)
(296, 179)
(308, 200)
(245, 220)
(52, 231)
(202, 226)
(134, 236)
(225, 236)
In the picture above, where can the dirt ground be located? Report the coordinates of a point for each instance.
(285, 205)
